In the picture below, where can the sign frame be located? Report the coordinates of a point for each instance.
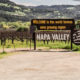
(59, 24)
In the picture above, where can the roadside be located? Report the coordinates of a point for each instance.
(41, 65)
(12, 51)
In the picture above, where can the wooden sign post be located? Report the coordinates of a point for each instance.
(72, 38)
(34, 39)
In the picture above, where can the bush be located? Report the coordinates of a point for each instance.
(22, 29)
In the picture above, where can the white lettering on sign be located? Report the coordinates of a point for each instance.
(38, 37)
(59, 36)
(48, 37)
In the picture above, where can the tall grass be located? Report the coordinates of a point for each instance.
(50, 45)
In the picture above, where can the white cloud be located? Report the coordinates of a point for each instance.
(27, 4)
(46, 2)
(24, 3)
(38, 0)
(76, 0)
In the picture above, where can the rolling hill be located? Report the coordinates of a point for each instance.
(10, 11)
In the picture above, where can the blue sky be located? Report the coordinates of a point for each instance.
(46, 2)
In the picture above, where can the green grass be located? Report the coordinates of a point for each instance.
(40, 44)
(3, 54)
(50, 45)
(17, 44)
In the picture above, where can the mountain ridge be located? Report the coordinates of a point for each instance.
(10, 11)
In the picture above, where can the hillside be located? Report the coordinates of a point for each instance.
(58, 11)
(9, 11)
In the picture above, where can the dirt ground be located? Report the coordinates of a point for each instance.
(37, 65)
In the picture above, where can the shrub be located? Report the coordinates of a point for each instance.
(22, 29)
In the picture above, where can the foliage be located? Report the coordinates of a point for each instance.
(22, 29)
(14, 25)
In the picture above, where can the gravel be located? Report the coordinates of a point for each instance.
(36, 65)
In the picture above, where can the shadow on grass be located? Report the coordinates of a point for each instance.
(67, 50)
(3, 52)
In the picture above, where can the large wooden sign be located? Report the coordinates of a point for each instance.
(76, 37)
(53, 24)
(49, 25)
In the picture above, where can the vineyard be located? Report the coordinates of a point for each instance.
(16, 39)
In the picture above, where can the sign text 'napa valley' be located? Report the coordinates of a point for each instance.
(52, 36)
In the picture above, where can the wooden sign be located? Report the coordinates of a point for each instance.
(53, 24)
(76, 37)
(53, 35)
